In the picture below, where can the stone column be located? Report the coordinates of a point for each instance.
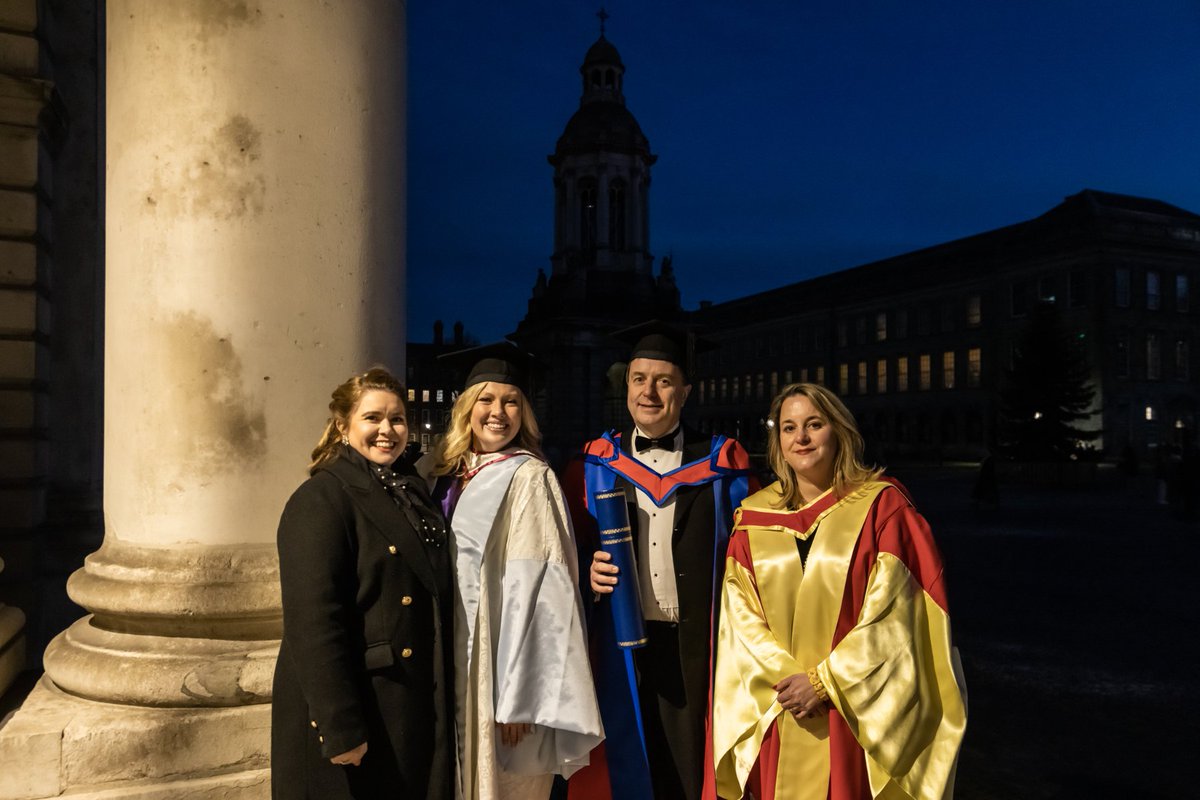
(254, 259)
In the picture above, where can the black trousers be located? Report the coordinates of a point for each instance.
(674, 730)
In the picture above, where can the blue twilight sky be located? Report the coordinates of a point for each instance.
(794, 137)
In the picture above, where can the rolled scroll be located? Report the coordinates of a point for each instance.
(616, 539)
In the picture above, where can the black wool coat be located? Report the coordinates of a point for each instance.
(367, 649)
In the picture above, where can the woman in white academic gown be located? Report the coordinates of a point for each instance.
(526, 702)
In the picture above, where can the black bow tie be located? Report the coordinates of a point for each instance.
(662, 442)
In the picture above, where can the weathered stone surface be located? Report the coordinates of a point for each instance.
(58, 743)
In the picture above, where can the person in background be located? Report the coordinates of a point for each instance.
(525, 698)
(361, 705)
(835, 677)
(681, 488)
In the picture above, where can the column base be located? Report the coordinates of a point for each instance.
(56, 743)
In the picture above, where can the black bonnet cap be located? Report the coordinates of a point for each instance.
(500, 362)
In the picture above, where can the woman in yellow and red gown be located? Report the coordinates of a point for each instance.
(835, 676)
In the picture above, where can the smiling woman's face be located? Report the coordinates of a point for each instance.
(377, 427)
(807, 441)
(496, 417)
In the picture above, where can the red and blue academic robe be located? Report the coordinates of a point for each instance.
(710, 483)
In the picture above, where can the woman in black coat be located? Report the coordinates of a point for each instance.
(362, 707)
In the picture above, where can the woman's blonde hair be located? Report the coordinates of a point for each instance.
(848, 468)
(450, 457)
(344, 400)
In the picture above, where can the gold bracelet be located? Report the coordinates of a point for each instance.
(818, 687)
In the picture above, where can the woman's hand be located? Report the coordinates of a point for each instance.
(511, 733)
(797, 696)
(351, 758)
(603, 574)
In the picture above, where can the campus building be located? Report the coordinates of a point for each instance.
(919, 344)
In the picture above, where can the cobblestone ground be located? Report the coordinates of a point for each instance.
(1077, 617)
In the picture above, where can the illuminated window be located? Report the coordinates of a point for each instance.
(820, 376)
(844, 378)
(761, 388)
(881, 376)
(440, 395)
(787, 376)
(861, 383)
(924, 377)
(948, 369)
(881, 326)
(902, 374)
(774, 383)
(974, 310)
(974, 367)
(1150, 414)
(424, 395)
(412, 395)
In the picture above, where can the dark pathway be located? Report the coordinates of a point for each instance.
(1078, 619)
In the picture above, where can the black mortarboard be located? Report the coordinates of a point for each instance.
(663, 341)
(501, 362)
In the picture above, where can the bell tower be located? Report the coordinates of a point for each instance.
(601, 269)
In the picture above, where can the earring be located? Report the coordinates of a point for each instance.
(345, 439)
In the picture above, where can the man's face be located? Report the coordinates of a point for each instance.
(656, 392)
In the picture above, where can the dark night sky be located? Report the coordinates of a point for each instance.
(794, 137)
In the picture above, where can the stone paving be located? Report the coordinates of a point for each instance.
(1077, 622)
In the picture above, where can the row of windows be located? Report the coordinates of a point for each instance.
(1154, 287)
(1152, 348)
(880, 376)
(884, 375)
(440, 394)
(762, 386)
(1026, 292)
(894, 324)
(879, 326)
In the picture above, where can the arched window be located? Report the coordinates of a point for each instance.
(587, 213)
(616, 215)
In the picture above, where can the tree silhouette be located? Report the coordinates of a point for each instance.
(1047, 391)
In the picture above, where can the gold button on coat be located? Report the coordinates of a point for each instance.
(321, 739)
(392, 549)
(313, 723)
(406, 601)
(406, 652)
